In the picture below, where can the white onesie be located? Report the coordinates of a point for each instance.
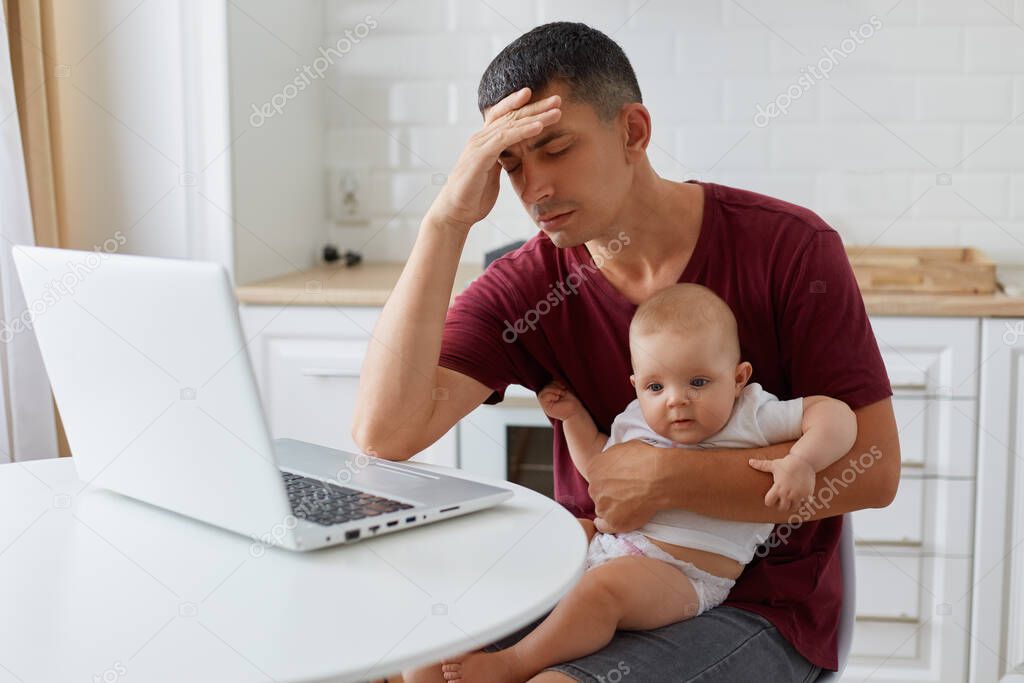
(758, 418)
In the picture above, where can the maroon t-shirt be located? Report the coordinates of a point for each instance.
(541, 312)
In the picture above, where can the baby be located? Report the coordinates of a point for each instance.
(692, 392)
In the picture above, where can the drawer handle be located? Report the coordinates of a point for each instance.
(905, 374)
(862, 542)
(868, 618)
(909, 386)
(324, 372)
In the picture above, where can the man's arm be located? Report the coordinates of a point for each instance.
(397, 411)
(629, 488)
(406, 401)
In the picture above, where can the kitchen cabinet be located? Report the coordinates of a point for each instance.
(932, 568)
(997, 590)
(307, 361)
(484, 433)
(914, 557)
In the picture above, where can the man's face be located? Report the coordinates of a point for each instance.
(573, 172)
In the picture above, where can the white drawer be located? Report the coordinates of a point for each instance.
(881, 639)
(900, 523)
(311, 392)
(895, 584)
(912, 618)
(888, 586)
(928, 515)
(937, 436)
(307, 361)
(311, 388)
(930, 356)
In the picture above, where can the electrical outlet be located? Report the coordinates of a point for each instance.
(348, 196)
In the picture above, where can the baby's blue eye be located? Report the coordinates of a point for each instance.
(699, 382)
(654, 386)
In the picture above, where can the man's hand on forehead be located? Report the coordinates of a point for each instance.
(472, 187)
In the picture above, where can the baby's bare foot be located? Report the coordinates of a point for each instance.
(484, 667)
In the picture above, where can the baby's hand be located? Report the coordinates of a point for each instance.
(558, 402)
(794, 481)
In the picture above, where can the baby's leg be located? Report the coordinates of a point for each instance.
(431, 673)
(629, 593)
(424, 674)
(588, 528)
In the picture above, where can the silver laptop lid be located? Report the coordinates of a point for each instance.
(150, 372)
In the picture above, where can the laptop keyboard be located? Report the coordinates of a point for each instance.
(324, 503)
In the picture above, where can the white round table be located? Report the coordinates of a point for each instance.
(95, 586)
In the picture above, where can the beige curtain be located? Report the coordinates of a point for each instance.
(29, 25)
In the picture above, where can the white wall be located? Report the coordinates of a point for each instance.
(938, 89)
(148, 148)
(278, 161)
(119, 79)
(142, 118)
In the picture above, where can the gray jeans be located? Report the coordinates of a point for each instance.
(724, 644)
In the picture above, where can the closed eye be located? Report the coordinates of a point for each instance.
(559, 153)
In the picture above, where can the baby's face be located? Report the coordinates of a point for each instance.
(686, 385)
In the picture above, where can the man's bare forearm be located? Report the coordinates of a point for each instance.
(403, 351)
(720, 483)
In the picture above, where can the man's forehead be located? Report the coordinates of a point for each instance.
(544, 138)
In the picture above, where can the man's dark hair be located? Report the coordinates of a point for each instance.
(593, 66)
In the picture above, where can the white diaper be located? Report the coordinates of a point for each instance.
(711, 590)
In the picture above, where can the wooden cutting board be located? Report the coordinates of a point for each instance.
(922, 270)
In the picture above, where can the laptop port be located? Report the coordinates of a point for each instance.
(393, 523)
(410, 519)
(352, 535)
(454, 507)
(374, 528)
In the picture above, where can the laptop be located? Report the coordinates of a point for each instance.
(150, 371)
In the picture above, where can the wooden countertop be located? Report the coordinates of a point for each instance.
(946, 305)
(365, 284)
(370, 284)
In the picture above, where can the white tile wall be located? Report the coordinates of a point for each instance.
(938, 89)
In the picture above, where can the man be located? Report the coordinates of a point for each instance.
(563, 117)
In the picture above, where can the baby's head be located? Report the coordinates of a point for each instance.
(686, 362)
